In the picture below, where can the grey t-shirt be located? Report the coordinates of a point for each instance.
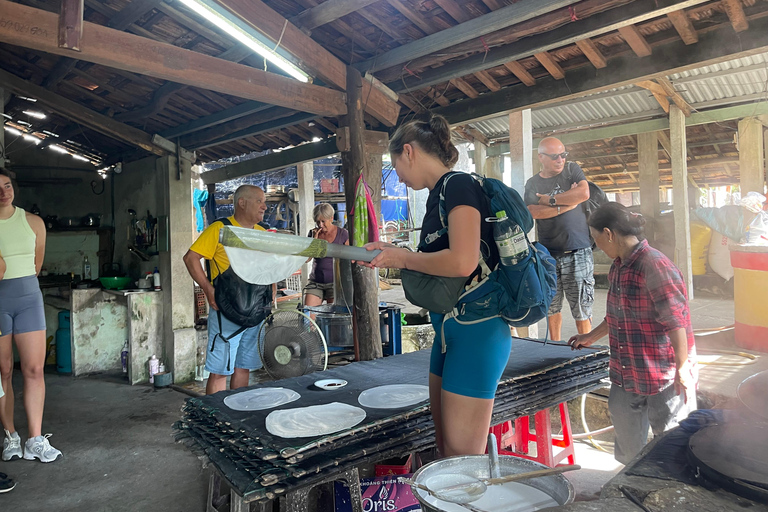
(567, 231)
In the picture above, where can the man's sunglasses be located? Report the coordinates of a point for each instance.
(562, 155)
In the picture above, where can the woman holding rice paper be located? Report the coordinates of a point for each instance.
(467, 360)
(320, 285)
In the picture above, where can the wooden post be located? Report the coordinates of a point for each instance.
(521, 153)
(494, 167)
(480, 158)
(751, 171)
(306, 173)
(679, 155)
(71, 24)
(648, 166)
(365, 281)
(521, 148)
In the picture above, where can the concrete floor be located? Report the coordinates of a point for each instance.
(119, 454)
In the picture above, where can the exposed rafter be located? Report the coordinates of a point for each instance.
(598, 24)
(635, 40)
(592, 52)
(125, 51)
(82, 115)
(735, 12)
(328, 11)
(550, 65)
(472, 29)
(312, 55)
(684, 27)
(520, 72)
(713, 46)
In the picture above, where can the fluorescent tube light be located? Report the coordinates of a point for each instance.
(11, 129)
(58, 148)
(245, 34)
(79, 157)
(32, 138)
(37, 115)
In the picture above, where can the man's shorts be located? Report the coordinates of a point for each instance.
(241, 351)
(575, 280)
(322, 290)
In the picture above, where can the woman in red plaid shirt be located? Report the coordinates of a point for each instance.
(648, 324)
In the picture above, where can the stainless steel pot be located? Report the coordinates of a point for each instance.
(556, 486)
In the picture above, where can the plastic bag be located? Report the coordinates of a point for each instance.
(720, 256)
(701, 234)
(752, 202)
(757, 231)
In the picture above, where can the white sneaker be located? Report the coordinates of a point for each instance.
(39, 448)
(11, 446)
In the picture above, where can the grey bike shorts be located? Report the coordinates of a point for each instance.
(21, 306)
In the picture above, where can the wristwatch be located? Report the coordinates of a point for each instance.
(552, 201)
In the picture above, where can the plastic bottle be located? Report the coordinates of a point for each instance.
(510, 239)
(124, 357)
(86, 268)
(154, 366)
(156, 279)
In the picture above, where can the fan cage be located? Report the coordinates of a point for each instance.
(291, 344)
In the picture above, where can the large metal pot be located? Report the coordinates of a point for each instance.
(556, 486)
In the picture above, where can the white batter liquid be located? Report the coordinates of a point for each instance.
(393, 396)
(258, 267)
(509, 497)
(317, 420)
(260, 399)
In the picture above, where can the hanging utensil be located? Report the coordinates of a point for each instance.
(493, 457)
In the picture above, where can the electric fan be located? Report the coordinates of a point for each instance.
(291, 344)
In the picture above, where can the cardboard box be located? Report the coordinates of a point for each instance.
(399, 466)
(379, 494)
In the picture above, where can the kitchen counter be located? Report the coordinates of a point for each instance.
(103, 320)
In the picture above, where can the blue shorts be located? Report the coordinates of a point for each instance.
(241, 351)
(21, 306)
(474, 358)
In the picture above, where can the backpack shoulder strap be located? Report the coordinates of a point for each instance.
(226, 222)
(441, 212)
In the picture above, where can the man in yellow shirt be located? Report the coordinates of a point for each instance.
(250, 205)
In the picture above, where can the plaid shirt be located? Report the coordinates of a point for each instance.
(646, 300)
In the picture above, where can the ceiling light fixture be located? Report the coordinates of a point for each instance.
(37, 115)
(7, 116)
(31, 100)
(32, 138)
(79, 157)
(58, 149)
(11, 129)
(247, 35)
(24, 123)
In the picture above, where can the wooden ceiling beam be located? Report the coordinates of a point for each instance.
(78, 113)
(635, 40)
(214, 137)
(488, 80)
(317, 59)
(714, 46)
(550, 65)
(413, 16)
(131, 13)
(464, 87)
(735, 12)
(454, 10)
(328, 11)
(121, 50)
(472, 29)
(684, 27)
(520, 72)
(592, 52)
(493, 4)
(71, 24)
(598, 24)
(675, 96)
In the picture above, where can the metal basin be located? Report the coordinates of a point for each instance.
(556, 486)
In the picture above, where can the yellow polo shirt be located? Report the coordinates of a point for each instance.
(207, 245)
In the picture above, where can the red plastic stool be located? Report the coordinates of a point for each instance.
(516, 442)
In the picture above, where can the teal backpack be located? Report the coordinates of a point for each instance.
(520, 293)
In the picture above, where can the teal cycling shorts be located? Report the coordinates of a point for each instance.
(475, 355)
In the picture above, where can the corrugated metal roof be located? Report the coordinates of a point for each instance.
(735, 81)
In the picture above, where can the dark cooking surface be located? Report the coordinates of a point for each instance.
(753, 392)
(737, 451)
